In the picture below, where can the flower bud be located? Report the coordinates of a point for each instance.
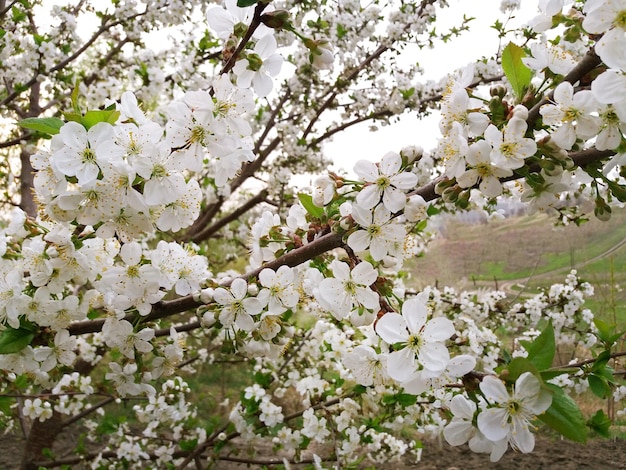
(321, 55)
(411, 153)
(277, 19)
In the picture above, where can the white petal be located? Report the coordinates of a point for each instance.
(461, 407)
(415, 313)
(434, 357)
(364, 273)
(366, 170)
(458, 433)
(492, 423)
(494, 390)
(438, 329)
(392, 328)
(401, 364)
(369, 196)
(390, 163)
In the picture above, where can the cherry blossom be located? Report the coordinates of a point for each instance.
(259, 66)
(83, 153)
(377, 231)
(384, 181)
(237, 307)
(349, 290)
(422, 340)
(481, 169)
(511, 415)
(510, 148)
(573, 112)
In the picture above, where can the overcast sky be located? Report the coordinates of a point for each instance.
(360, 143)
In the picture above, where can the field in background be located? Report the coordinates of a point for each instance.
(523, 254)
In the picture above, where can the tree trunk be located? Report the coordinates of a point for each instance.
(27, 201)
(40, 437)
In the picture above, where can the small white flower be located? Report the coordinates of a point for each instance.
(237, 307)
(279, 286)
(349, 290)
(377, 231)
(510, 148)
(367, 366)
(510, 415)
(385, 181)
(260, 65)
(423, 340)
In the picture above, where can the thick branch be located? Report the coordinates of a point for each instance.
(212, 229)
(168, 308)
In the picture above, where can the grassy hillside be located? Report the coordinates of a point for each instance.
(529, 252)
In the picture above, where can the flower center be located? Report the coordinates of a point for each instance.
(197, 135)
(383, 182)
(89, 156)
(508, 149)
(513, 407)
(415, 342)
(158, 171)
(620, 19)
(483, 170)
(610, 117)
(254, 62)
(373, 230)
(570, 114)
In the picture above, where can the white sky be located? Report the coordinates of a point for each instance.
(480, 41)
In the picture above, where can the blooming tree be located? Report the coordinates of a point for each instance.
(151, 232)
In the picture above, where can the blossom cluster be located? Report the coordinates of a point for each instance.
(100, 271)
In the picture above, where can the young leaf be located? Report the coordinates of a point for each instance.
(564, 416)
(47, 126)
(91, 118)
(307, 202)
(599, 386)
(13, 341)
(518, 366)
(600, 423)
(541, 350)
(517, 73)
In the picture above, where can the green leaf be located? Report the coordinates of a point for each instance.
(518, 366)
(307, 202)
(74, 98)
(246, 3)
(5, 405)
(189, 445)
(406, 399)
(48, 126)
(518, 74)
(564, 416)
(599, 385)
(108, 424)
(75, 117)
(600, 423)
(14, 340)
(541, 350)
(550, 374)
(91, 118)
(264, 380)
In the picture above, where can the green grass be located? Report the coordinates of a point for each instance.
(533, 252)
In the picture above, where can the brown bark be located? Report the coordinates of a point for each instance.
(27, 200)
(41, 436)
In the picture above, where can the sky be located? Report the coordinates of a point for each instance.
(482, 40)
